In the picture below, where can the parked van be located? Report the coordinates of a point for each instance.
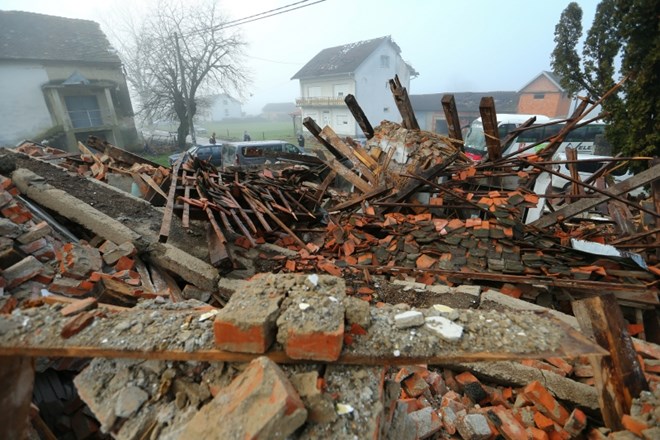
(251, 153)
(210, 152)
(475, 139)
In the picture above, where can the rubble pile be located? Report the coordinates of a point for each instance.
(409, 294)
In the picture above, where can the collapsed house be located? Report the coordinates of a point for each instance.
(274, 303)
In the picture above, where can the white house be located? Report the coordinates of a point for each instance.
(362, 69)
(223, 106)
(61, 80)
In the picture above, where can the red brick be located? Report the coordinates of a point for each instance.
(436, 383)
(76, 324)
(576, 422)
(18, 273)
(558, 433)
(263, 394)
(411, 404)
(40, 230)
(247, 324)
(537, 434)
(449, 418)
(561, 364)
(78, 306)
(545, 402)
(506, 424)
(543, 422)
(124, 263)
(34, 246)
(320, 346)
(634, 425)
(427, 421)
(414, 385)
(67, 286)
(471, 387)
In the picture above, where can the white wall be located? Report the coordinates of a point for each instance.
(373, 90)
(23, 110)
(219, 110)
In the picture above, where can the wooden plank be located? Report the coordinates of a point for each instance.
(166, 224)
(619, 377)
(638, 293)
(576, 189)
(96, 344)
(349, 175)
(580, 206)
(320, 192)
(217, 253)
(359, 116)
(315, 130)
(185, 216)
(655, 189)
(153, 184)
(331, 137)
(489, 121)
(402, 101)
(16, 383)
(451, 116)
(117, 153)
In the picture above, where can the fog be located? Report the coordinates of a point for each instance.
(467, 46)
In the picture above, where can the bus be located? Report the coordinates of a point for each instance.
(582, 138)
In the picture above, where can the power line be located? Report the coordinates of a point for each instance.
(256, 17)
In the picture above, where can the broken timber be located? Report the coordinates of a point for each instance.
(402, 101)
(578, 207)
(359, 116)
(619, 377)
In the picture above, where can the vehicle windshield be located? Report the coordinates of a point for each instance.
(475, 141)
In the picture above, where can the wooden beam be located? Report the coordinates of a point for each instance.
(331, 137)
(576, 189)
(451, 116)
(166, 225)
(16, 383)
(349, 175)
(578, 207)
(619, 377)
(402, 101)
(359, 116)
(489, 121)
(315, 130)
(117, 153)
(655, 189)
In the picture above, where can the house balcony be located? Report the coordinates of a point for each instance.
(320, 101)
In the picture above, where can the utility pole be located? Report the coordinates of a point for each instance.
(185, 90)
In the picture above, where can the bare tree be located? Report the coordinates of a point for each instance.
(178, 52)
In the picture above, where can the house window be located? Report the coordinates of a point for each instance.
(386, 109)
(224, 101)
(341, 120)
(385, 61)
(313, 92)
(226, 112)
(341, 90)
(539, 95)
(84, 111)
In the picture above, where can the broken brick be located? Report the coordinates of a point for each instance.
(247, 323)
(545, 402)
(22, 271)
(473, 427)
(79, 306)
(506, 424)
(428, 422)
(576, 422)
(77, 324)
(414, 385)
(259, 403)
(634, 424)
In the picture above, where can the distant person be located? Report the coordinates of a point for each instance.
(212, 139)
(246, 136)
(301, 141)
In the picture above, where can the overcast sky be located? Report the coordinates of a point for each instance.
(456, 46)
